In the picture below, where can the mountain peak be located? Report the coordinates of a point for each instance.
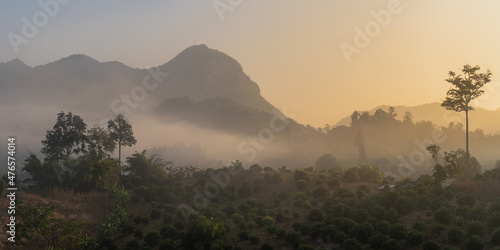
(80, 58)
(14, 64)
(201, 73)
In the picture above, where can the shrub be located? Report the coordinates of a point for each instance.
(377, 240)
(266, 246)
(431, 245)
(133, 244)
(474, 243)
(281, 233)
(414, 238)
(383, 226)
(251, 225)
(179, 225)
(479, 212)
(315, 215)
(343, 224)
(306, 247)
(169, 232)
(351, 175)
(244, 208)
(296, 226)
(167, 244)
(466, 200)
(152, 239)
(455, 235)
(138, 233)
(443, 215)
(243, 235)
(419, 226)
(422, 201)
(267, 221)
(301, 185)
(271, 229)
(291, 237)
(404, 205)
(462, 211)
(167, 219)
(352, 244)
(495, 236)
(362, 232)
(475, 228)
(437, 229)
(435, 204)
(155, 214)
(305, 229)
(244, 191)
(345, 193)
(254, 239)
(378, 212)
(398, 231)
(392, 215)
(391, 244)
(301, 175)
(237, 218)
(334, 182)
(494, 220)
(284, 195)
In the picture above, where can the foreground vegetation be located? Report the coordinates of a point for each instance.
(151, 204)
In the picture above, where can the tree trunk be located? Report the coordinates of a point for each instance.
(467, 156)
(119, 157)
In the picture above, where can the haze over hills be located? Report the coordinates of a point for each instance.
(203, 104)
(480, 118)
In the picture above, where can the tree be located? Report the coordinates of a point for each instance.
(121, 131)
(320, 192)
(95, 170)
(326, 161)
(203, 233)
(41, 173)
(145, 167)
(66, 138)
(255, 168)
(466, 88)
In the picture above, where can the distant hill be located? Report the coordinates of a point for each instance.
(79, 82)
(202, 73)
(484, 119)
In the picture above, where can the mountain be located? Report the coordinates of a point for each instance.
(79, 82)
(202, 73)
(480, 118)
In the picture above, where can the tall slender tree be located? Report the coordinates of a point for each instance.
(121, 131)
(465, 88)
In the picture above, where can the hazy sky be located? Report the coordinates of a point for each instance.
(291, 48)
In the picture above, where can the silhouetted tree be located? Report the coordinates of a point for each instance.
(326, 161)
(466, 88)
(145, 167)
(66, 138)
(121, 131)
